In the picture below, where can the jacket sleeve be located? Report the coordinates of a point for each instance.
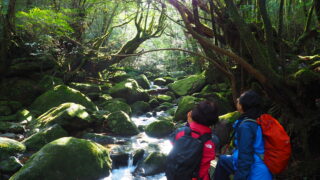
(245, 138)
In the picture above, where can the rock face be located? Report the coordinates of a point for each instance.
(67, 159)
(188, 85)
(58, 95)
(140, 107)
(10, 147)
(184, 106)
(160, 129)
(114, 105)
(143, 81)
(129, 90)
(120, 123)
(43, 137)
(69, 116)
(153, 164)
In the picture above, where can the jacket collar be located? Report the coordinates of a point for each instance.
(202, 129)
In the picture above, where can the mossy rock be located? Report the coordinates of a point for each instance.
(43, 137)
(129, 90)
(140, 107)
(164, 106)
(24, 115)
(69, 116)
(153, 164)
(143, 81)
(48, 82)
(188, 85)
(230, 117)
(85, 88)
(159, 129)
(58, 95)
(154, 103)
(169, 79)
(10, 165)
(120, 123)
(10, 147)
(160, 82)
(67, 159)
(114, 105)
(164, 98)
(20, 89)
(184, 106)
(99, 138)
(11, 127)
(119, 76)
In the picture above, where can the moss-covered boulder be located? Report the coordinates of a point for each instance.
(159, 129)
(43, 137)
(164, 98)
(58, 95)
(85, 88)
(164, 106)
(114, 105)
(169, 79)
(154, 103)
(10, 165)
(69, 116)
(20, 89)
(120, 123)
(184, 106)
(140, 107)
(129, 90)
(153, 164)
(10, 147)
(230, 117)
(11, 127)
(119, 76)
(188, 85)
(160, 82)
(67, 159)
(143, 81)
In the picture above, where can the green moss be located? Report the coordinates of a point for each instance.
(129, 90)
(116, 105)
(10, 147)
(86, 87)
(188, 85)
(160, 82)
(11, 127)
(58, 95)
(43, 137)
(230, 117)
(184, 106)
(120, 123)
(48, 82)
(164, 98)
(140, 107)
(154, 163)
(159, 129)
(143, 81)
(67, 159)
(10, 165)
(67, 115)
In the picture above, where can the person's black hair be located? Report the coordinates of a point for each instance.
(205, 113)
(251, 104)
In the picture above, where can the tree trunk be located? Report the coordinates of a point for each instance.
(8, 31)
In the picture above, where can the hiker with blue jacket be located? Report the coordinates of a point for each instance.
(246, 162)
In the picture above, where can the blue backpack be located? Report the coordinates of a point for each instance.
(183, 161)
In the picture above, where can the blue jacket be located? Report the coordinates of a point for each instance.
(249, 149)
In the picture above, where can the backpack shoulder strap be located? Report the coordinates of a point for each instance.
(248, 120)
(205, 137)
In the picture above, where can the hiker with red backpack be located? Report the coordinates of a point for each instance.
(193, 148)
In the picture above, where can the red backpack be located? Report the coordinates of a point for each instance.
(276, 144)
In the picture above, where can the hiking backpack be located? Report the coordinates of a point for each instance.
(183, 161)
(277, 147)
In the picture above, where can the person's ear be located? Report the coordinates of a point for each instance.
(189, 118)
